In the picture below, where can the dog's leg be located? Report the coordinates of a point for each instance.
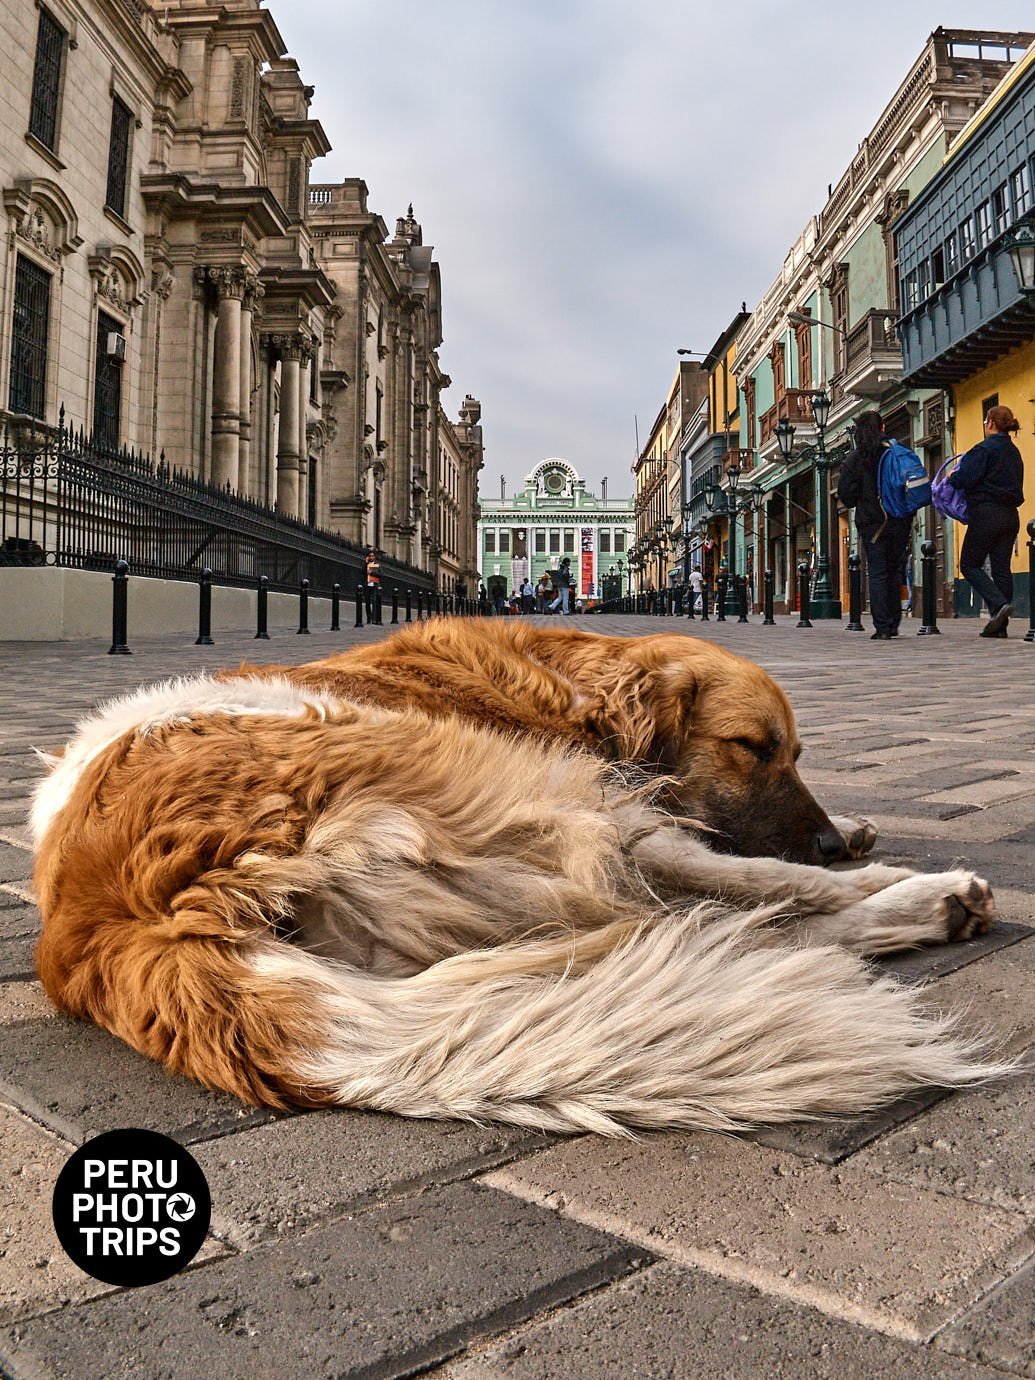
(677, 862)
(924, 909)
(859, 834)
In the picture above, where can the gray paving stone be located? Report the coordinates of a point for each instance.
(383, 1293)
(833, 1141)
(1000, 1331)
(15, 863)
(926, 965)
(18, 920)
(286, 1177)
(978, 1145)
(80, 1081)
(684, 1325)
(17, 957)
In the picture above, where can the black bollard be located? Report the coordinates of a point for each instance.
(855, 593)
(742, 599)
(420, 605)
(377, 606)
(369, 600)
(929, 576)
(261, 612)
(1029, 636)
(204, 637)
(360, 592)
(805, 601)
(704, 602)
(409, 605)
(336, 608)
(395, 605)
(690, 599)
(303, 607)
(720, 598)
(120, 610)
(769, 588)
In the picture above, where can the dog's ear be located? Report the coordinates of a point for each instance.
(669, 697)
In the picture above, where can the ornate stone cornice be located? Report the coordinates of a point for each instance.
(230, 281)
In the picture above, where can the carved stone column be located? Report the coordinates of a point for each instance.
(290, 349)
(305, 364)
(226, 382)
(250, 304)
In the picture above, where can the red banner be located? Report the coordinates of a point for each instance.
(586, 583)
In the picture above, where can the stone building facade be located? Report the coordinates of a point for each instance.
(169, 278)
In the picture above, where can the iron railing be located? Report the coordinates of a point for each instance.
(67, 501)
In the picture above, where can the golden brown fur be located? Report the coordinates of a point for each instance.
(716, 724)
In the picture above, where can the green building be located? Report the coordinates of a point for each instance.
(555, 516)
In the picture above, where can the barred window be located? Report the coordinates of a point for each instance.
(46, 79)
(107, 393)
(605, 543)
(569, 543)
(619, 543)
(540, 542)
(490, 543)
(504, 543)
(118, 156)
(31, 327)
(555, 543)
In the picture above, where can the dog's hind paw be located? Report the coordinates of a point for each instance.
(970, 911)
(859, 834)
(943, 906)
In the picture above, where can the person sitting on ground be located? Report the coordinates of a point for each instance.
(991, 474)
(883, 538)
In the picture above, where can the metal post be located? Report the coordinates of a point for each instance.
(742, 598)
(420, 605)
(395, 605)
(769, 586)
(855, 593)
(204, 637)
(409, 605)
(119, 610)
(261, 609)
(803, 596)
(359, 603)
(720, 599)
(377, 606)
(930, 600)
(704, 601)
(369, 599)
(690, 600)
(336, 608)
(1029, 636)
(828, 605)
(303, 607)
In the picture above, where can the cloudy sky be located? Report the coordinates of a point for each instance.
(602, 181)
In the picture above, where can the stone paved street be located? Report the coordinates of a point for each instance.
(353, 1244)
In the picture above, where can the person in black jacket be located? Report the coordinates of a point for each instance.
(992, 477)
(884, 539)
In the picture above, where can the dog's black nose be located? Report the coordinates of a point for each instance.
(831, 845)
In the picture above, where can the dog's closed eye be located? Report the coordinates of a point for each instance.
(762, 750)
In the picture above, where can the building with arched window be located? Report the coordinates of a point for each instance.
(554, 516)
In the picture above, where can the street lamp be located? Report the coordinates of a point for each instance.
(825, 603)
(1020, 245)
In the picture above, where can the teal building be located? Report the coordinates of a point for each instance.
(554, 516)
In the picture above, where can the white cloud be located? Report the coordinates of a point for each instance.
(603, 182)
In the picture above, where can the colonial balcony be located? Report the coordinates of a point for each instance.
(743, 459)
(795, 404)
(873, 357)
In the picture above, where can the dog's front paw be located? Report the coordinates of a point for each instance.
(970, 908)
(859, 834)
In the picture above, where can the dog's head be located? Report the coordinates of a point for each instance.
(725, 731)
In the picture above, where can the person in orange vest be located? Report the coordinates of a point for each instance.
(373, 567)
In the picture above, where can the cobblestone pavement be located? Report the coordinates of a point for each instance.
(347, 1244)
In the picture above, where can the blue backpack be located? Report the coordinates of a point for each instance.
(903, 484)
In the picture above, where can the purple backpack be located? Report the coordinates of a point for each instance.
(948, 501)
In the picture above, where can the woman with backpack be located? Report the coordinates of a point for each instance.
(884, 539)
(992, 477)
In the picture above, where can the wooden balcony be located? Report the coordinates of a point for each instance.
(744, 459)
(795, 404)
(873, 356)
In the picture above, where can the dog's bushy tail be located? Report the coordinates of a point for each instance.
(681, 1022)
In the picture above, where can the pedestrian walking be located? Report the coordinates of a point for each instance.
(527, 596)
(563, 584)
(883, 538)
(373, 567)
(991, 475)
(543, 592)
(696, 586)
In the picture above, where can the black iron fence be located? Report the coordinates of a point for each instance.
(68, 502)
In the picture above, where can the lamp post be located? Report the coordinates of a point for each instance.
(1020, 245)
(825, 603)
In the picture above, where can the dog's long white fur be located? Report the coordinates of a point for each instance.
(704, 1017)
